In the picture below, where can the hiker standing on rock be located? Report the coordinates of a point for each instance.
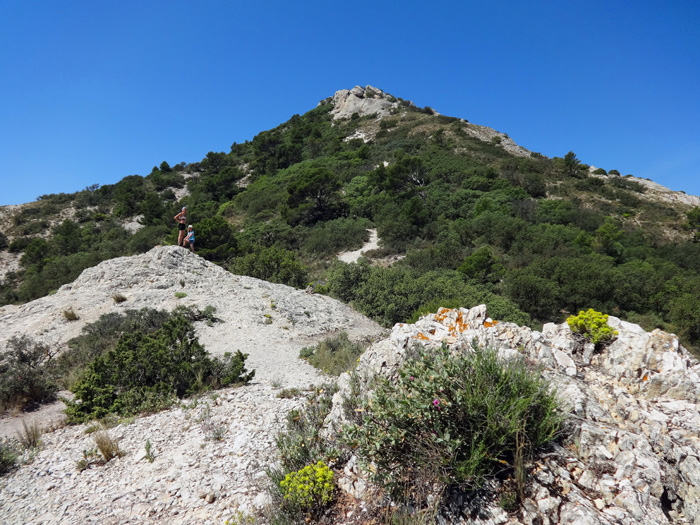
(181, 220)
(190, 238)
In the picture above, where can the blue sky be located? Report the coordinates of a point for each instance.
(92, 91)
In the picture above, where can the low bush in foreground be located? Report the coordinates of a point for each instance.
(145, 372)
(310, 488)
(301, 446)
(452, 421)
(301, 443)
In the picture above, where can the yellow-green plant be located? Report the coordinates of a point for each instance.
(592, 325)
(310, 488)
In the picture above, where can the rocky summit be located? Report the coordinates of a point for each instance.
(631, 454)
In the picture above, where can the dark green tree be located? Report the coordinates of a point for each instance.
(482, 266)
(215, 239)
(313, 196)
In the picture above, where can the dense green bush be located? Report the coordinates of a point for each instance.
(25, 379)
(216, 240)
(337, 235)
(452, 420)
(100, 337)
(392, 295)
(272, 264)
(145, 371)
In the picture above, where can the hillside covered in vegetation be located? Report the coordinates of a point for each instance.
(464, 216)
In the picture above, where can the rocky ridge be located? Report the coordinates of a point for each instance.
(268, 321)
(210, 454)
(632, 455)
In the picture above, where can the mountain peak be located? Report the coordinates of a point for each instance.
(366, 100)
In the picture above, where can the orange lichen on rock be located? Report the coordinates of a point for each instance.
(489, 324)
(421, 336)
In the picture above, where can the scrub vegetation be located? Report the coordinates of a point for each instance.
(534, 238)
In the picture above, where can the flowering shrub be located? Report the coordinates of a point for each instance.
(310, 488)
(452, 420)
(592, 325)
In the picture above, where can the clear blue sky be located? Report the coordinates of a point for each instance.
(92, 91)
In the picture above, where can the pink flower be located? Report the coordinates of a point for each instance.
(436, 402)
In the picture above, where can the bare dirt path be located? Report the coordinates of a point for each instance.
(372, 244)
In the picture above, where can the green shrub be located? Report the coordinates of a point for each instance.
(452, 420)
(272, 264)
(25, 379)
(8, 456)
(145, 371)
(100, 337)
(70, 315)
(300, 444)
(310, 488)
(333, 355)
(592, 325)
(19, 244)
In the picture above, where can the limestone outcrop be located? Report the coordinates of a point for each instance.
(633, 449)
(366, 100)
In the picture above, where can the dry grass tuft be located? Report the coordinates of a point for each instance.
(108, 447)
(70, 315)
(30, 436)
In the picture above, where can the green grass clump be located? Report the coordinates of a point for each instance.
(333, 355)
(453, 420)
(592, 325)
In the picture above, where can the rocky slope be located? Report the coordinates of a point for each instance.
(631, 455)
(194, 478)
(634, 424)
(268, 321)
